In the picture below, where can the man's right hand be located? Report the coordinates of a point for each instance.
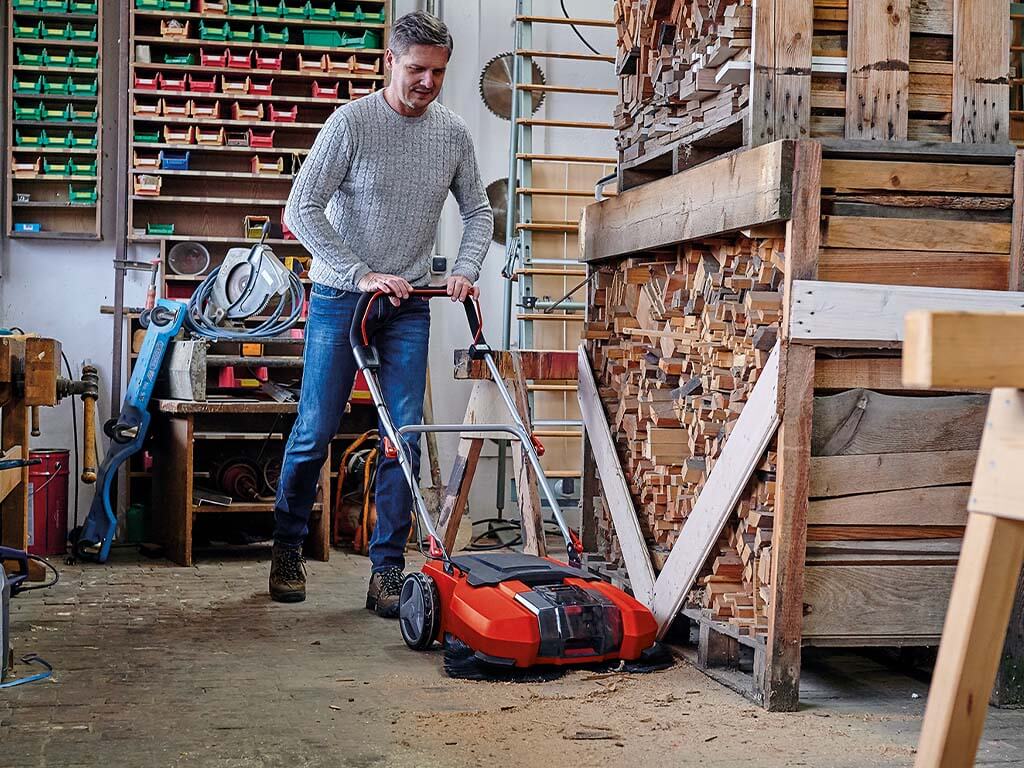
(396, 287)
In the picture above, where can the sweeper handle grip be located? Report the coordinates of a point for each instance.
(361, 333)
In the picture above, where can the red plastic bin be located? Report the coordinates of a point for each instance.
(147, 83)
(201, 85)
(261, 89)
(284, 116)
(239, 60)
(213, 59)
(262, 139)
(49, 490)
(324, 92)
(269, 62)
(174, 83)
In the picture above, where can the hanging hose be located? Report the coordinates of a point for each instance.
(578, 33)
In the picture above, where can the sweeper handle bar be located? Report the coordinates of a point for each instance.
(368, 362)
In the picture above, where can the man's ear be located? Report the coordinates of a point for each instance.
(389, 59)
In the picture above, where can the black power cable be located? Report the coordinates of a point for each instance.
(578, 33)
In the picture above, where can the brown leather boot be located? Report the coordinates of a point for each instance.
(385, 589)
(287, 575)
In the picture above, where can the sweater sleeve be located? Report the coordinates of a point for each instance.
(318, 179)
(477, 219)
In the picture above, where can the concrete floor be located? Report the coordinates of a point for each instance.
(165, 666)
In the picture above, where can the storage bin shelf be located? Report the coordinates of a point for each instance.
(177, 42)
(229, 123)
(43, 177)
(186, 200)
(44, 69)
(283, 21)
(308, 75)
(221, 148)
(54, 203)
(202, 96)
(215, 174)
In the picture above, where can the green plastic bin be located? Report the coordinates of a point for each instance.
(56, 87)
(84, 6)
(25, 5)
(214, 31)
(84, 115)
(31, 58)
(82, 141)
(82, 194)
(53, 6)
(86, 61)
(146, 137)
(270, 36)
(28, 31)
(149, 5)
(29, 139)
(55, 31)
(58, 58)
(83, 87)
(159, 229)
(241, 7)
(187, 59)
(242, 35)
(23, 112)
(183, 6)
(55, 139)
(321, 38)
(369, 39)
(55, 167)
(320, 11)
(56, 114)
(27, 84)
(293, 10)
(82, 33)
(268, 10)
(81, 168)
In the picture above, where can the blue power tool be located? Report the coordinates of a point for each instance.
(128, 431)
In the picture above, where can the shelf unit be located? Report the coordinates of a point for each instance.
(53, 191)
(207, 202)
(169, 107)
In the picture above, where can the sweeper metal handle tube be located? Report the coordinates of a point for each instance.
(368, 361)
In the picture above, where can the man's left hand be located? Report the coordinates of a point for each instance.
(459, 288)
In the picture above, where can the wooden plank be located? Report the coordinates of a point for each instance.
(743, 450)
(42, 369)
(456, 494)
(782, 674)
(882, 532)
(845, 175)
(614, 487)
(985, 271)
(14, 431)
(531, 516)
(861, 421)
(802, 230)
(918, 151)
(848, 314)
(941, 505)
(538, 365)
(896, 599)
(1016, 278)
(999, 476)
(869, 473)
(172, 485)
(746, 189)
(780, 103)
(949, 349)
(981, 68)
(878, 373)
(878, 69)
(972, 636)
(10, 479)
(931, 17)
(916, 234)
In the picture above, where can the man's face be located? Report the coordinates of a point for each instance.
(417, 75)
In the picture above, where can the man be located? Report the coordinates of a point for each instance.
(366, 204)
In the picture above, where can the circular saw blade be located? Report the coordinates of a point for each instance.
(497, 196)
(496, 85)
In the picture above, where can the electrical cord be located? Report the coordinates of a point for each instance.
(48, 565)
(74, 432)
(578, 33)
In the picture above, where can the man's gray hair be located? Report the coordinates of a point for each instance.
(419, 28)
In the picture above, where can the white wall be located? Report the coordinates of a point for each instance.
(56, 288)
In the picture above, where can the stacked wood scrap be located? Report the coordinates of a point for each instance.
(925, 96)
(684, 70)
(677, 341)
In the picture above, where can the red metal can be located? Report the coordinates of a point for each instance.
(48, 501)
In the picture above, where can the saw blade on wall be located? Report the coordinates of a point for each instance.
(496, 85)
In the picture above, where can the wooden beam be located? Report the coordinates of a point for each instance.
(537, 365)
(981, 69)
(746, 189)
(845, 175)
(909, 234)
(872, 472)
(613, 485)
(743, 450)
(999, 477)
(803, 231)
(941, 505)
(944, 350)
(878, 69)
(456, 492)
(42, 369)
(848, 314)
(1016, 277)
(531, 515)
(972, 636)
(878, 373)
(10, 479)
(780, 95)
(984, 271)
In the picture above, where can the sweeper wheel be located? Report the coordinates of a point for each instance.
(419, 611)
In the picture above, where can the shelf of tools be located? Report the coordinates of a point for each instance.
(226, 99)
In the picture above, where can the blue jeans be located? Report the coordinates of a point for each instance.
(329, 369)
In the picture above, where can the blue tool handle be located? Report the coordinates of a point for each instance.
(20, 556)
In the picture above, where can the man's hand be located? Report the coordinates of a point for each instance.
(459, 288)
(396, 287)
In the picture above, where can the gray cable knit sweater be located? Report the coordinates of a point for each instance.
(368, 198)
